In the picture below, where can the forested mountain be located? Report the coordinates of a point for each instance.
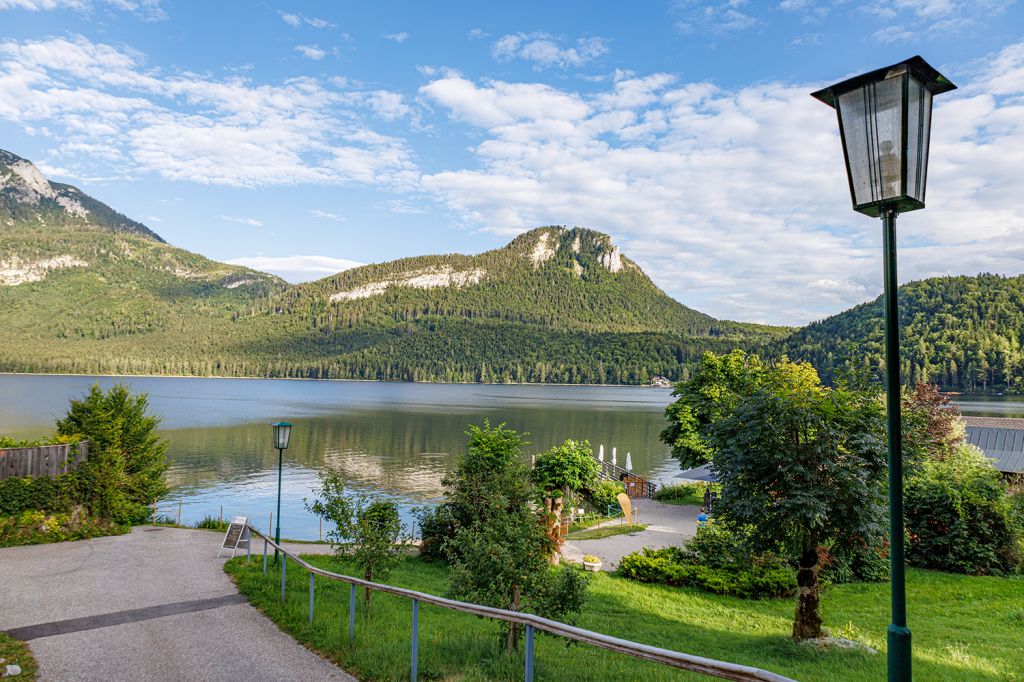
(963, 333)
(85, 289)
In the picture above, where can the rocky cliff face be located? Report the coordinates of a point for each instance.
(28, 197)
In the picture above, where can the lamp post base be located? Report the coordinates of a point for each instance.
(899, 653)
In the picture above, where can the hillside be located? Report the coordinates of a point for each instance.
(963, 333)
(86, 289)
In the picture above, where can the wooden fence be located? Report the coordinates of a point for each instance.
(42, 460)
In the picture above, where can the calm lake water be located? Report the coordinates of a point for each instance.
(395, 440)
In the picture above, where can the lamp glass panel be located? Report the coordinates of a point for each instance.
(281, 435)
(919, 114)
(873, 135)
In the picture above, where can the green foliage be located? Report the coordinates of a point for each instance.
(568, 467)
(212, 523)
(436, 529)
(124, 473)
(685, 493)
(959, 516)
(671, 566)
(800, 465)
(33, 527)
(499, 551)
(962, 333)
(603, 496)
(42, 493)
(369, 532)
(932, 425)
(856, 562)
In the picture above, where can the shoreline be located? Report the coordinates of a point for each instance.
(361, 381)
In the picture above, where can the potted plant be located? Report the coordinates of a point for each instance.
(592, 563)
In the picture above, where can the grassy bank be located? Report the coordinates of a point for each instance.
(606, 532)
(17, 653)
(964, 628)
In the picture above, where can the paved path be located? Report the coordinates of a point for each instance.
(667, 525)
(151, 605)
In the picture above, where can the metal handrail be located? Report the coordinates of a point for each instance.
(699, 664)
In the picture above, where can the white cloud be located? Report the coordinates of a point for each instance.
(145, 9)
(477, 33)
(545, 50)
(716, 17)
(735, 200)
(910, 19)
(252, 222)
(311, 51)
(326, 215)
(297, 20)
(297, 268)
(106, 106)
(397, 37)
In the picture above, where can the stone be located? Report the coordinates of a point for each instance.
(12, 670)
(838, 643)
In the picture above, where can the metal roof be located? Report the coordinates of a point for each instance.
(1005, 447)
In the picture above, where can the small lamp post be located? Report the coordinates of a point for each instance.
(282, 432)
(885, 124)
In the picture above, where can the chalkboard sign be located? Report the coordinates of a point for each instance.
(237, 535)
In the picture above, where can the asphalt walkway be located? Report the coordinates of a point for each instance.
(667, 525)
(151, 605)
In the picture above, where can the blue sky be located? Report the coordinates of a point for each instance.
(299, 136)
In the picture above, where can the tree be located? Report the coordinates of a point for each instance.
(932, 425)
(801, 464)
(369, 532)
(560, 473)
(124, 473)
(499, 550)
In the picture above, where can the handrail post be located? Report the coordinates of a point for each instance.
(284, 570)
(529, 653)
(415, 637)
(264, 556)
(248, 549)
(351, 612)
(312, 577)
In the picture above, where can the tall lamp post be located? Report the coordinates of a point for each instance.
(885, 123)
(282, 432)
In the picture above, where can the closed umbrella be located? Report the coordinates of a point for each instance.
(614, 458)
(600, 454)
(629, 462)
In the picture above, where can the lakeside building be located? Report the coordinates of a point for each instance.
(1002, 441)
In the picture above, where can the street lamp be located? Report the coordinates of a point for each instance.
(885, 123)
(282, 432)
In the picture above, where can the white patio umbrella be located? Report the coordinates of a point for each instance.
(614, 458)
(629, 462)
(600, 454)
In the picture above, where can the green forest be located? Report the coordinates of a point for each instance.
(84, 289)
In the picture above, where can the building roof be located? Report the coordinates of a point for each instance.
(995, 422)
(1004, 446)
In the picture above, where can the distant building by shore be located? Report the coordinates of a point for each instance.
(1002, 441)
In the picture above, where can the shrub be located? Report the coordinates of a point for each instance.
(42, 493)
(960, 517)
(681, 491)
(602, 497)
(212, 523)
(856, 562)
(436, 529)
(672, 566)
(35, 527)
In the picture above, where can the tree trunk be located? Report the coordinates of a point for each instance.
(367, 575)
(513, 629)
(807, 624)
(553, 506)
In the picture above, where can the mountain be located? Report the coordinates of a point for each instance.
(86, 289)
(963, 333)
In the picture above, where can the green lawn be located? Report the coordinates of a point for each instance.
(606, 532)
(16, 652)
(964, 628)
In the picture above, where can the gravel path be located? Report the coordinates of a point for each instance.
(667, 525)
(151, 605)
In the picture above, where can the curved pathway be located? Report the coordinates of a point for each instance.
(667, 525)
(151, 605)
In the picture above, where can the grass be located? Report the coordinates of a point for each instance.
(589, 522)
(964, 628)
(606, 532)
(17, 652)
(681, 493)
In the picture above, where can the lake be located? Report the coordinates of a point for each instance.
(390, 439)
